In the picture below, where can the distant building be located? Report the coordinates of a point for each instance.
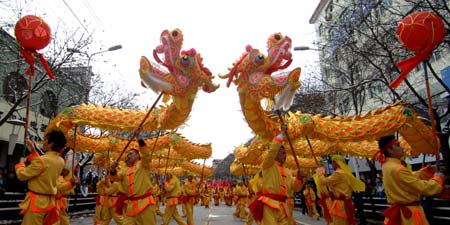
(216, 162)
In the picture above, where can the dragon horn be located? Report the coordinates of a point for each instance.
(225, 76)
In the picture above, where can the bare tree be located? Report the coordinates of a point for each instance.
(73, 82)
(360, 53)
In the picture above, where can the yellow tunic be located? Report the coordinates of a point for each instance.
(156, 192)
(190, 190)
(101, 202)
(405, 187)
(41, 176)
(64, 187)
(172, 193)
(310, 198)
(242, 194)
(228, 196)
(216, 196)
(341, 189)
(222, 194)
(276, 212)
(136, 182)
(273, 182)
(207, 192)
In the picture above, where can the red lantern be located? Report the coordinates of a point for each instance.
(419, 32)
(33, 34)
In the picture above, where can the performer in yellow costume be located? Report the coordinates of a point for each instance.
(216, 196)
(65, 185)
(110, 213)
(138, 205)
(324, 201)
(39, 205)
(270, 207)
(341, 183)
(206, 195)
(183, 202)
(228, 196)
(100, 201)
(403, 188)
(173, 190)
(290, 203)
(156, 192)
(255, 186)
(241, 193)
(191, 193)
(310, 197)
(222, 194)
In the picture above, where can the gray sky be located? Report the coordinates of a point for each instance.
(219, 30)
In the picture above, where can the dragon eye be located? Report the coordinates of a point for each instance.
(185, 60)
(174, 33)
(277, 37)
(259, 59)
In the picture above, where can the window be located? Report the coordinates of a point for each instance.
(49, 104)
(329, 12)
(14, 87)
(436, 56)
(320, 29)
(43, 127)
(33, 124)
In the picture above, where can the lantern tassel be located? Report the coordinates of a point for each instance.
(409, 64)
(46, 67)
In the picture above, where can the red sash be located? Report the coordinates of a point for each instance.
(349, 208)
(121, 198)
(326, 212)
(257, 206)
(183, 199)
(52, 217)
(393, 213)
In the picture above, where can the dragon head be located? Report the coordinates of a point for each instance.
(279, 50)
(252, 60)
(190, 64)
(171, 42)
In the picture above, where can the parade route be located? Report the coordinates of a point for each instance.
(215, 215)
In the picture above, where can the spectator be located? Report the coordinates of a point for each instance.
(1, 178)
(370, 188)
(379, 188)
(2, 191)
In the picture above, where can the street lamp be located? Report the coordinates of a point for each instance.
(13, 136)
(304, 48)
(88, 70)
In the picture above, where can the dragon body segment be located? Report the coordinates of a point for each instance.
(179, 145)
(252, 75)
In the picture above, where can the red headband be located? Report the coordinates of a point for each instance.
(379, 154)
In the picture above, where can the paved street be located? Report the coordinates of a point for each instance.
(216, 215)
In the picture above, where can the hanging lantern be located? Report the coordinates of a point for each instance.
(419, 32)
(33, 34)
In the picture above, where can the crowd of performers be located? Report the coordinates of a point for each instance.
(130, 195)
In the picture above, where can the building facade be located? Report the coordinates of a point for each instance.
(358, 50)
(48, 98)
